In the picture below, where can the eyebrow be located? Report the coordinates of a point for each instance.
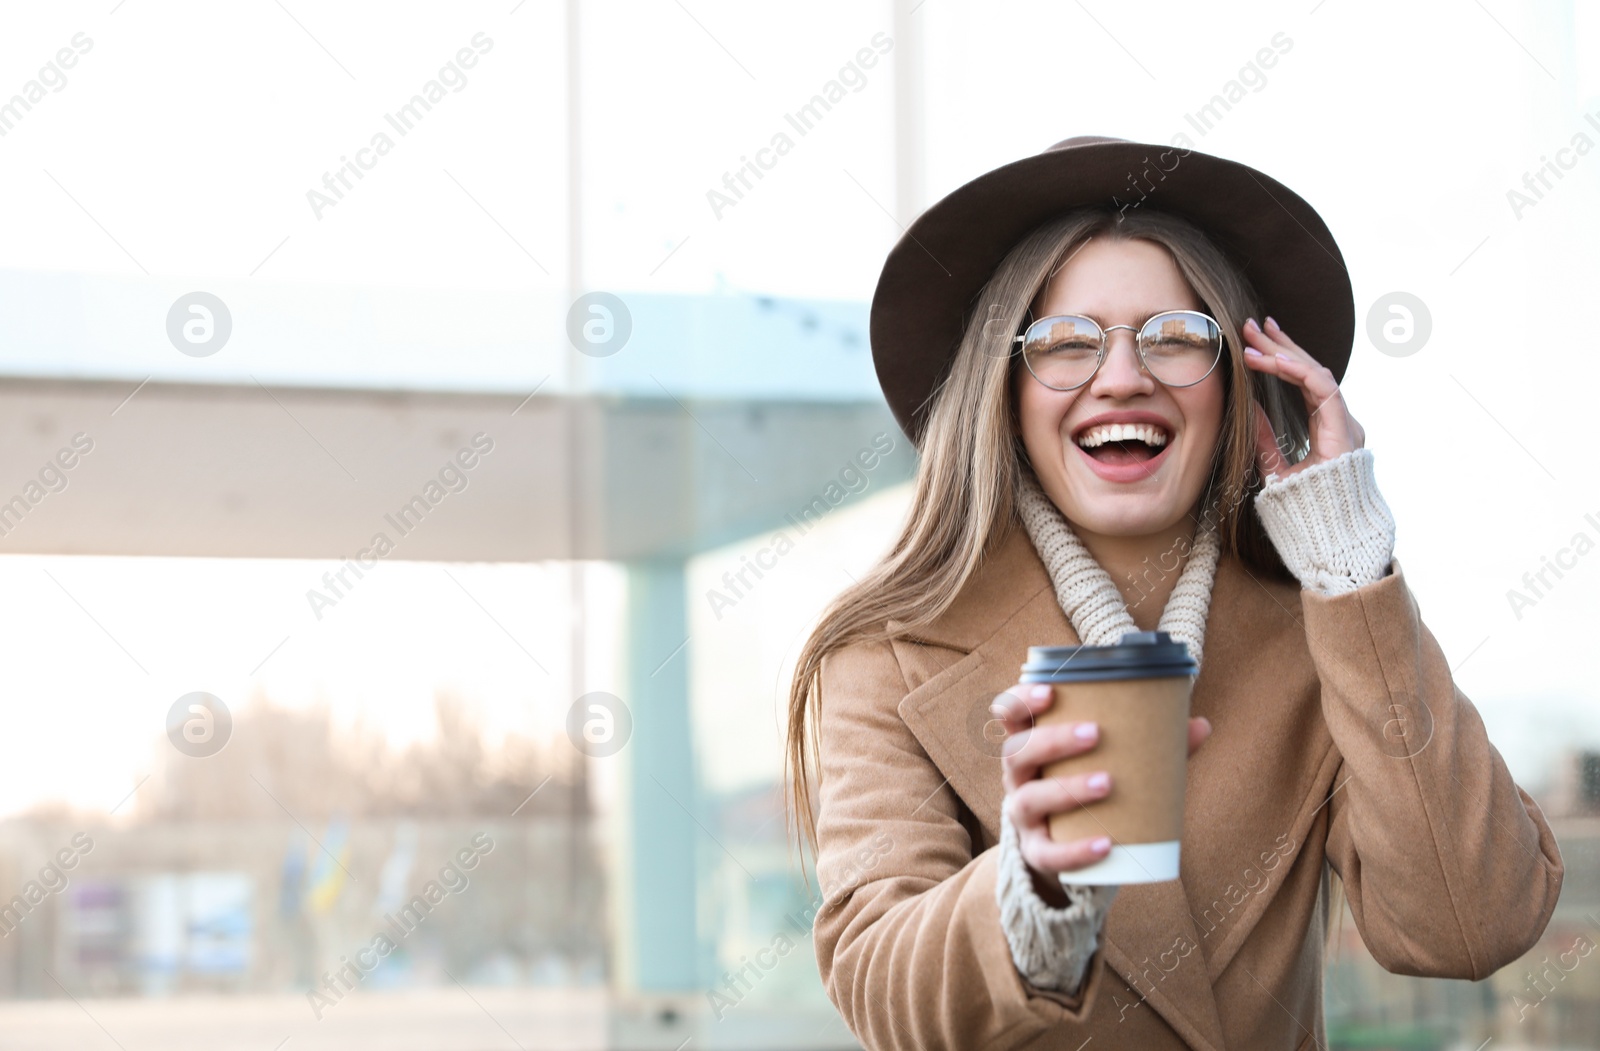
(1143, 314)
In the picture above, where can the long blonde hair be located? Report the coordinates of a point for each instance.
(972, 461)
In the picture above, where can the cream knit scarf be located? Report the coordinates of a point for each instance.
(1088, 595)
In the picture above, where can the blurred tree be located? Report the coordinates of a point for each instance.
(297, 760)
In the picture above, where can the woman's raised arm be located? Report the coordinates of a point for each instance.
(1451, 869)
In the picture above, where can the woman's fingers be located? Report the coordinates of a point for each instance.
(1333, 430)
(1274, 340)
(1018, 706)
(1029, 748)
(1044, 854)
(1022, 756)
(1031, 806)
(1316, 382)
(1033, 799)
(1036, 800)
(1278, 354)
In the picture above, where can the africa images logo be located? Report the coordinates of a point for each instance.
(852, 480)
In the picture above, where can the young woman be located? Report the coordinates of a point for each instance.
(1115, 436)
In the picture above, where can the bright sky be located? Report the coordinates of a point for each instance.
(184, 141)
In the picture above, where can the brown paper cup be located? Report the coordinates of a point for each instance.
(1144, 746)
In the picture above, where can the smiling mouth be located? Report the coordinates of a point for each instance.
(1123, 443)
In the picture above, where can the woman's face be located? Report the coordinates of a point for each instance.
(1111, 490)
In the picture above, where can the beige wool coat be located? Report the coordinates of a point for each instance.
(1338, 737)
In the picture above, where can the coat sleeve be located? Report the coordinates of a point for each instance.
(908, 937)
(1450, 868)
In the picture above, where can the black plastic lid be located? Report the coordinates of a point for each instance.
(1138, 655)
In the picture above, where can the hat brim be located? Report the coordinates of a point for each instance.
(924, 297)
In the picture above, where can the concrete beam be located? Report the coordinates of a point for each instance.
(284, 472)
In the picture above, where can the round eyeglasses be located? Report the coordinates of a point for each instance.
(1178, 347)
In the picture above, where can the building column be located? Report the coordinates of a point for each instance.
(656, 939)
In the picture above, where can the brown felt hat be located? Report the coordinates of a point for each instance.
(925, 294)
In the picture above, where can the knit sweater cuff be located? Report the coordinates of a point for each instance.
(1051, 947)
(1330, 524)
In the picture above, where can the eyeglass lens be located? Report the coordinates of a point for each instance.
(1180, 348)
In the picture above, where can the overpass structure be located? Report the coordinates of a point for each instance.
(330, 415)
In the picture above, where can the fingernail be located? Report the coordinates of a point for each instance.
(1098, 782)
(1283, 357)
(1271, 323)
(1101, 845)
(1251, 352)
(1040, 692)
(1086, 731)
(1251, 323)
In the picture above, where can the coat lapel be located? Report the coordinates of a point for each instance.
(1011, 606)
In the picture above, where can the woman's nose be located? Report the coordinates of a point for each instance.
(1122, 373)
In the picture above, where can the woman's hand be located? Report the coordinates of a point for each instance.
(1334, 431)
(1032, 798)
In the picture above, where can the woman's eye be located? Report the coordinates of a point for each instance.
(1076, 349)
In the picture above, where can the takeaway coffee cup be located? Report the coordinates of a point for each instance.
(1137, 691)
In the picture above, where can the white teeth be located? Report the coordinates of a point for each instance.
(1123, 432)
